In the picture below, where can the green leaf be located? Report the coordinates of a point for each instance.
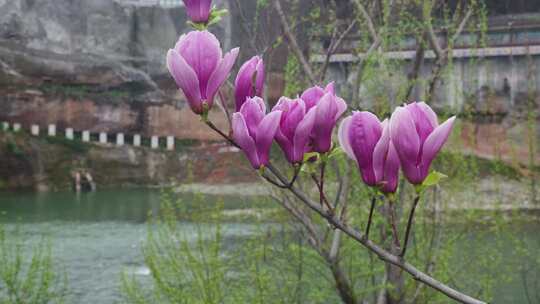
(336, 152)
(432, 179)
(215, 15)
(309, 155)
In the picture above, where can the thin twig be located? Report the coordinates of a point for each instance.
(373, 200)
(393, 224)
(334, 45)
(409, 225)
(223, 104)
(293, 43)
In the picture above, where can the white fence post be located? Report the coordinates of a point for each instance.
(69, 133)
(86, 136)
(16, 127)
(51, 130)
(34, 130)
(5, 125)
(154, 142)
(170, 143)
(120, 139)
(102, 138)
(136, 140)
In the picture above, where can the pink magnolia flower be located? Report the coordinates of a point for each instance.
(295, 127)
(367, 141)
(418, 137)
(198, 10)
(197, 66)
(249, 81)
(254, 131)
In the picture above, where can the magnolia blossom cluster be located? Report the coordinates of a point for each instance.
(409, 140)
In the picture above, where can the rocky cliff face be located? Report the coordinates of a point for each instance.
(97, 65)
(47, 163)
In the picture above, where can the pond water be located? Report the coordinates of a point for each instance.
(97, 236)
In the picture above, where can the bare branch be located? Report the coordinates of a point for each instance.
(432, 37)
(462, 25)
(334, 45)
(369, 20)
(293, 42)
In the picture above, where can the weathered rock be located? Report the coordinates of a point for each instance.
(47, 164)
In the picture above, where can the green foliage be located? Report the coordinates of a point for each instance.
(75, 145)
(293, 83)
(28, 278)
(13, 148)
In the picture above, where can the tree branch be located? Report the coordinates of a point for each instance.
(334, 45)
(380, 252)
(293, 42)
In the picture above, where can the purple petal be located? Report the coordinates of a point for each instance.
(312, 96)
(344, 135)
(341, 108)
(324, 123)
(259, 82)
(221, 73)
(292, 118)
(424, 118)
(265, 134)
(198, 10)
(330, 88)
(391, 171)
(434, 143)
(253, 111)
(186, 79)
(202, 52)
(380, 151)
(301, 135)
(407, 143)
(243, 86)
(244, 140)
(365, 131)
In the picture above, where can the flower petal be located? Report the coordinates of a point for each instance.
(404, 136)
(380, 151)
(312, 96)
(301, 135)
(265, 134)
(341, 108)
(186, 79)
(244, 140)
(343, 137)
(407, 143)
(365, 131)
(221, 73)
(259, 82)
(243, 86)
(391, 171)
(202, 51)
(198, 10)
(424, 118)
(324, 123)
(434, 143)
(253, 111)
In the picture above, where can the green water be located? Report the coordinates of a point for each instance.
(97, 236)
